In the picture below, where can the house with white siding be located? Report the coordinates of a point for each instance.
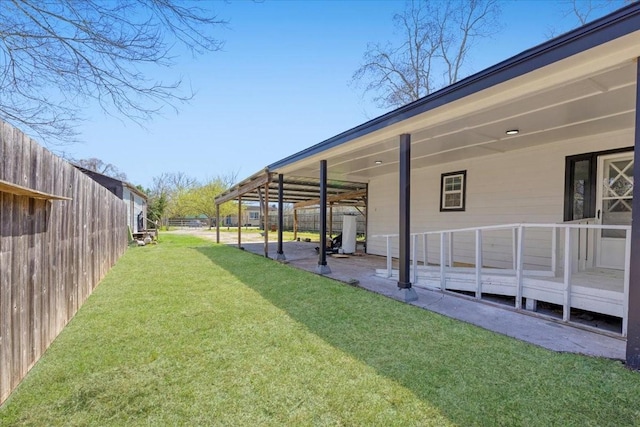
(517, 181)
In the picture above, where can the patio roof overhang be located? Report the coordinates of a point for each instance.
(579, 84)
(298, 190)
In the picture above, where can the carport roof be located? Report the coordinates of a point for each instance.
(300, 191)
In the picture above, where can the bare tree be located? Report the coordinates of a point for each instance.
(97, 165)
(579, 12)
(586, 10)
(437, 39)
(56, 56)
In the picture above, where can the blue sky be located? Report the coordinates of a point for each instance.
(280, 85)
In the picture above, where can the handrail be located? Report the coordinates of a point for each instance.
(571, 225)
(573, 260)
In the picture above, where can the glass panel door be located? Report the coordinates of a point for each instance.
(615, 197)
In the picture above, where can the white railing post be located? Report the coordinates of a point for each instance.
(478, 264)
(425, 259)
(442, 261)
(450, 247)
(554, 250)
(389, 263)
(514, 247)
(519, 267)
(414, 261)
(566, 307)
(627, 267)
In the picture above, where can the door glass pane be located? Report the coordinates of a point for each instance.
(617, 195)
(580, 182)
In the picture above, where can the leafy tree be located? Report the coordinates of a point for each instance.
(200, 200)
(57, 55)
(167, 194)
(437, 38)
(97, 165)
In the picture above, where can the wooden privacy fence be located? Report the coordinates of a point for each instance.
(60, 232)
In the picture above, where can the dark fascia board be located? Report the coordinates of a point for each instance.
(610, 27)
(110, 183)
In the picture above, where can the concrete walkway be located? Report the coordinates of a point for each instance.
(534, 329)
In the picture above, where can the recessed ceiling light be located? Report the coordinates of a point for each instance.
(378, 162)
(512, 132)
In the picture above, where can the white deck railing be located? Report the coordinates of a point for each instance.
(578, 255)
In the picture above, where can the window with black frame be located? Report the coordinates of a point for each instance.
(453, 187)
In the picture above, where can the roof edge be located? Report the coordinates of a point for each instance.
(607, 28)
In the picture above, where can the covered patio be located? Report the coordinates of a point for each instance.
(508, 145)
(544, 331)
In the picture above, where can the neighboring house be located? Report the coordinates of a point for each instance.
(134, 199)
(251, 217)
(517, 180)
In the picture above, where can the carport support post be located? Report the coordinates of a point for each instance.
(280, 254)
(217, 223)
(266, 220)
(322, 267)
(633, 310)
(239, 222)
(404, 284)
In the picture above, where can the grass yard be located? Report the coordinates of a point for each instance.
(192, 333)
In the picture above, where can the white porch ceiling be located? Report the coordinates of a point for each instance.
(590, 93)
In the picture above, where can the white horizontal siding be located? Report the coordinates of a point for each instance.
(514, 187)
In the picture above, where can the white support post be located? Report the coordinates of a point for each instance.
(566, 307)
(425, 259)
(443, 251)
(519, 266)
(554, 251)
(478, 264)
(591, 248)
(389, 263)
(450, 247)
(627, 268)
(514, 247)
(414, 259)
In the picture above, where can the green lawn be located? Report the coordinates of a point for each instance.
(192, 333)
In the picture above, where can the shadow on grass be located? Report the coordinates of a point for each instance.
(475, 377)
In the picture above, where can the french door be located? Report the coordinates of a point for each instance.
(614, 197)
